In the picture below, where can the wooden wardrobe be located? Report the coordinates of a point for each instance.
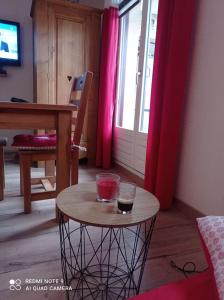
(66, 44)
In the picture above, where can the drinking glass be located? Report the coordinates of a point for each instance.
(107, 186)
(126, 196)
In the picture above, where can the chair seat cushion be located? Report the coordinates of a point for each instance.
(34, 142)
(39, 142)
(3, 141)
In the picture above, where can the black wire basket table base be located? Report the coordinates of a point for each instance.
(103, 263)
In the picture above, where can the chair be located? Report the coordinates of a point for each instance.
(3, 142)
(43, 147)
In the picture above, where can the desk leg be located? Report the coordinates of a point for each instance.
(63, 150)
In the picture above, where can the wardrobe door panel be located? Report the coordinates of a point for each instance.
(70, 60)
(67, 53)
(67, 43)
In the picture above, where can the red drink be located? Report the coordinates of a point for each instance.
(107, 189)
(107, 186)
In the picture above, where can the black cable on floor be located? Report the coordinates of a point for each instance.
(188, 268)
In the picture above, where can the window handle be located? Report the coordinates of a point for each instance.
(138, 74)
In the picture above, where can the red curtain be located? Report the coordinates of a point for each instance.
(107, 91)
(171, 62)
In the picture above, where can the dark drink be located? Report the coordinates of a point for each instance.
(124, 205)
(126, 196)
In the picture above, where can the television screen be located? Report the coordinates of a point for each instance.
(9, 43)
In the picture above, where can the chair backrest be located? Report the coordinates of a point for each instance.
(79, 96)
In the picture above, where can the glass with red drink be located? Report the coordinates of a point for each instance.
(107, 186)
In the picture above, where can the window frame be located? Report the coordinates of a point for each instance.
(130, 145)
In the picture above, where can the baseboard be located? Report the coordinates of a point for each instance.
(184, 208)
(187, 210)
(131, 176)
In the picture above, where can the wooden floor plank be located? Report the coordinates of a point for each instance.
(29, 244)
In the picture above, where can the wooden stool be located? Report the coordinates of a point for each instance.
(3, 142)
(118, 243)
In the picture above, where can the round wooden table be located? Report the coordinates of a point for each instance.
(103, 253)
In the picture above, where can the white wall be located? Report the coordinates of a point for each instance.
(201, 172)
(108, 3)
(19, 82)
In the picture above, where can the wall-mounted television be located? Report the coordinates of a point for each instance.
(9, 43)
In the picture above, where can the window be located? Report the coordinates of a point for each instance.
(148, 68)
(128, 62)
(137, 45)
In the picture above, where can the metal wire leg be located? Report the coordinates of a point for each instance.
(103, 263)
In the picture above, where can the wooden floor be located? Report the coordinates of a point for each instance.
(29, 244)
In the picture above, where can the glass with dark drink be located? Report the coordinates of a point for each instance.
(126, 196)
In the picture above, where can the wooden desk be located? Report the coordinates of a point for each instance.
(44, 116)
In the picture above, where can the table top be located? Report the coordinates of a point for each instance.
(36, 106)
(78, 202)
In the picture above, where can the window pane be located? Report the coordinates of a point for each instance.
(148, 67)
(128, 66)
